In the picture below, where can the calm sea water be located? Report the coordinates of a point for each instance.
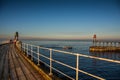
(107, 70)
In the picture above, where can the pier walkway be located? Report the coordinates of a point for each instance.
(20, 63)
(14, 66)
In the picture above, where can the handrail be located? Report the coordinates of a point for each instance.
(88, 56)
(63, 64)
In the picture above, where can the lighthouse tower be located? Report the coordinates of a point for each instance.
(16, 36)
(94, 40)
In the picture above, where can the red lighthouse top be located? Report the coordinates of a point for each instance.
(94, 36)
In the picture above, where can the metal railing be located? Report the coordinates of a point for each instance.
(29, 49)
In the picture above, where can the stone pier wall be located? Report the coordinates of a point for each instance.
(100, 46)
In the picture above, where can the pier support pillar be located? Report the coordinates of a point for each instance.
(118, 44)
(107, 44)
(103, 44)
(111, 44)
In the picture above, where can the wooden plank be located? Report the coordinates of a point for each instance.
(18, 67)
(6, 72)
(19, 71)
(27, 73)
(1, 52)
(13, 75)
(2, 65)
(33, 71)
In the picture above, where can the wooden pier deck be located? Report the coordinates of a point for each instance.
(13, 66)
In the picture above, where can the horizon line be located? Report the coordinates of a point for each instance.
(60, 39)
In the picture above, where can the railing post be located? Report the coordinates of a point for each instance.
(21, 46)
(27, 50)
(50, 62)
(77, 67)
(118, 44)
(38, 55)
(31, 53)
(103, 44)
(24, 47)
(111, 44)
(115, 44)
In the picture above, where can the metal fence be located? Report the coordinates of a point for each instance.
(32, 49)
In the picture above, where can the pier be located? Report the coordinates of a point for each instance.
(23, 61)
(104, 46)
(15, 66)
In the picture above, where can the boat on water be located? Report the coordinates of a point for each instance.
(67, 47)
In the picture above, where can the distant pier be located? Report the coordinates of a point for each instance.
(104, 46)
(14, 65)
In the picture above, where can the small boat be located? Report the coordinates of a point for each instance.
(67, 47)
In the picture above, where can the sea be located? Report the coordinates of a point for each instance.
(103, 69)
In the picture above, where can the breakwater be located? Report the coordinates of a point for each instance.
(102, 46)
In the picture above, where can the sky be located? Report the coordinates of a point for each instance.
(60, 19)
